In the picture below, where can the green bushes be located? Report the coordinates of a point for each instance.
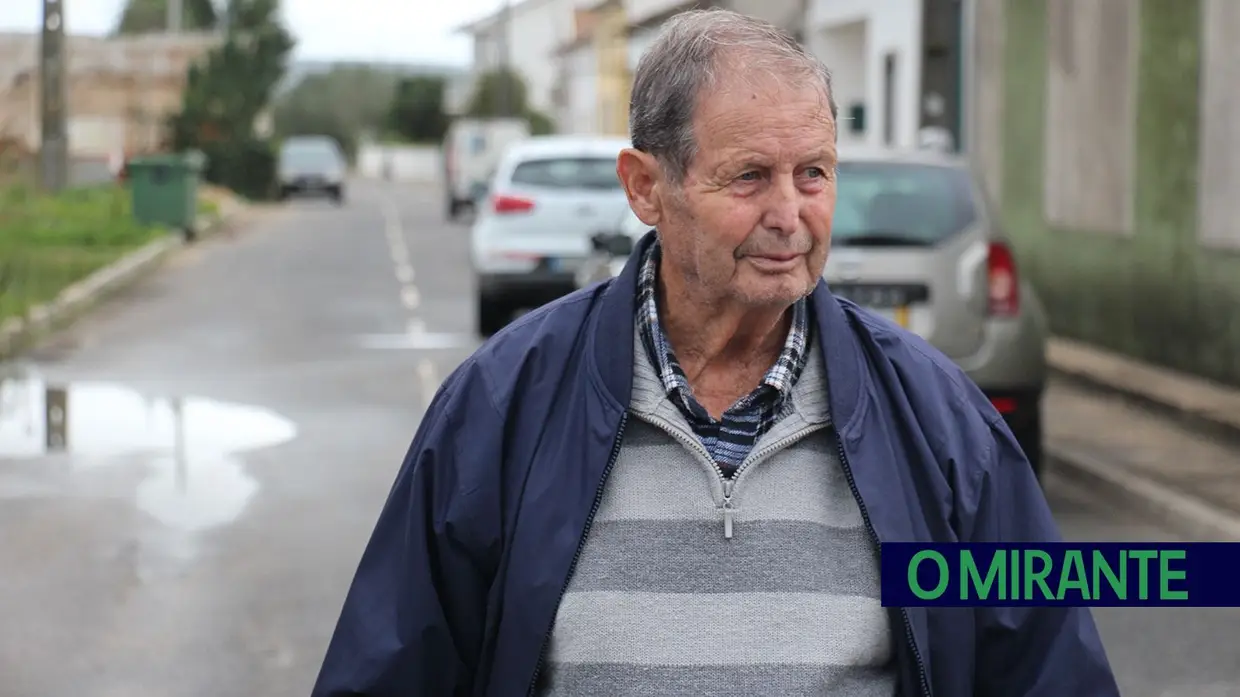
(246, 167)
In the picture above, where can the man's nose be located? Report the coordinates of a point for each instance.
(783, 206)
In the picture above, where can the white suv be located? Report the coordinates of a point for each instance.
(548, 197)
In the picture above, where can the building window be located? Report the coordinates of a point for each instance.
(1219, 159)
(1091, 114)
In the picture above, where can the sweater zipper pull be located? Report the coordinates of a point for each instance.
(727, 509)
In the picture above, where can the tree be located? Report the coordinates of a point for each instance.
(417, 111)
(226, 93)
(343, 102)
(502, 93)
(147, 16)
(497, 94)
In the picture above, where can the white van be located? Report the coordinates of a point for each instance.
(471, 152)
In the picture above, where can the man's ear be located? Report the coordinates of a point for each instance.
(641, 177)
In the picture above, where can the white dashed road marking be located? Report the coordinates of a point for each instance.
(411, 299)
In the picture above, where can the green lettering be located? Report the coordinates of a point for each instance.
(1143, 572)
(1102, 567)
(1166, 574)
(971, 578)
(1038, 576)
(944, 577)
(1072, 575)
(1013, 589)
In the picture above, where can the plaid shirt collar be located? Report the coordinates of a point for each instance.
(776, 385)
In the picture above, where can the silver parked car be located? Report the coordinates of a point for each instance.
(312, 166)
(915, 240)
(548, 196)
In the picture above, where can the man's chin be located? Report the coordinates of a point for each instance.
(774, 293)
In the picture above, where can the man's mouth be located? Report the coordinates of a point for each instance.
(775, 263)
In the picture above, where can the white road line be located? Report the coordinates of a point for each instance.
(410, 297)
(397, 247)
(428, 377)
(415, 326)
(400, 255)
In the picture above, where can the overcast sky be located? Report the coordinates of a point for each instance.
(387, 30)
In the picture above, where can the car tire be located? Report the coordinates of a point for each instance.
(454, 210)
(337, 195)
(1030, 439)
(492, 316)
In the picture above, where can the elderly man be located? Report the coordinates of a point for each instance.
(676, 483)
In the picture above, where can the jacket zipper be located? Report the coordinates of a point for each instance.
(729, 483)
(585, 532)
(754, 458)
(869, 528)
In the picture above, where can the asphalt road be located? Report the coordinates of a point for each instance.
(234, 425)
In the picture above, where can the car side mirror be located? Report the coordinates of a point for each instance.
(613, 244)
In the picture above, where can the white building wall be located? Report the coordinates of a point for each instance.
(882, 28)
(641, 10)
(536, 30)
(639, 41)
(582, 110)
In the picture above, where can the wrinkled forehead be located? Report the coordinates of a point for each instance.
(773, 118)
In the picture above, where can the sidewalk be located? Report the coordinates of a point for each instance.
(1166, 443)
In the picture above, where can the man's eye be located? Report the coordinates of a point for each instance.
(817, 172)
(749, 176)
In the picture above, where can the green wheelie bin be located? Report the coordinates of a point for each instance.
(165, 190)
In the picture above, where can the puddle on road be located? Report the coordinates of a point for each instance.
(191, 447)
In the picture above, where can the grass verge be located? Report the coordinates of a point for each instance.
(48, 243)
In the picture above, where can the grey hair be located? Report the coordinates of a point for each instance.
(693, 51)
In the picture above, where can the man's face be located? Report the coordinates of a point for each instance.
(751, 222)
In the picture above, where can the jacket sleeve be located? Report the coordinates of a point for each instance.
(413, 618)
(1030, 651)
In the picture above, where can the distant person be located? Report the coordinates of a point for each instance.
(676, 482)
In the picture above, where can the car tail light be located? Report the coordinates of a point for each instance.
(1002, 281)
(511, 204)
(1004, 405)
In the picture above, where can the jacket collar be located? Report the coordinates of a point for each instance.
(610, 342)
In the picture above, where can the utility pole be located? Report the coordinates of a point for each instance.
(175, 10)
(505, 59)
(54, 145)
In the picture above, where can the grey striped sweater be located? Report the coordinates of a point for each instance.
(684, 587)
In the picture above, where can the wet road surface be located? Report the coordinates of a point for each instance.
(187, 477)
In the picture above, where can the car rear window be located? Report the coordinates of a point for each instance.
(567, 173)
(309, 155)
(890, 203)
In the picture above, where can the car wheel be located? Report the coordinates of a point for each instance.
(492, 316)
(1030, 439)
(338, 196)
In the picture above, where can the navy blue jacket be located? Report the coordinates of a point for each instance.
(457, 590)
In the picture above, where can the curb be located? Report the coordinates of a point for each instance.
(19, 334)
(1196, 519)
(1198, 416)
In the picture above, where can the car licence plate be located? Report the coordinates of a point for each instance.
(898, 314)
(891, 301)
